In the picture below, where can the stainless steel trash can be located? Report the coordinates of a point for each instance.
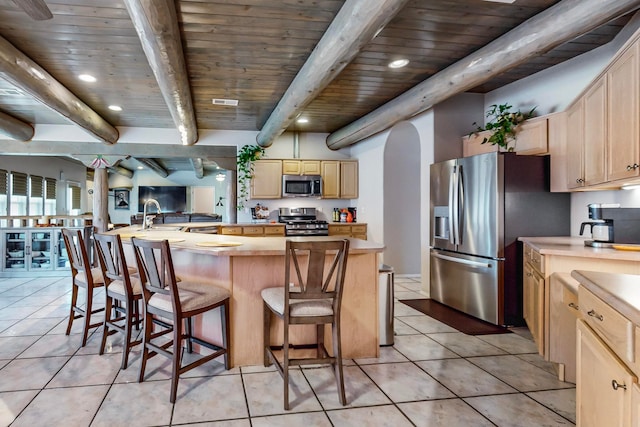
(385, 303)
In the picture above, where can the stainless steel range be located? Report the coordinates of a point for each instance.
(302, 222)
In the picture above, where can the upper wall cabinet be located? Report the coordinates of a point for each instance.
(531, 138)
(267, 179)
(301, 167)
(603, 134)
(339, 179)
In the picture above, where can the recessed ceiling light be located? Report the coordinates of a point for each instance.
(115, 108)
(227, 102)
(87, 78)
(140, 167)
(302, 120)
(398, 63)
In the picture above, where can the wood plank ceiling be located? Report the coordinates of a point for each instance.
(251, 50)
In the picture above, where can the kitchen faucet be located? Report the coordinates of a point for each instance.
(147, 222)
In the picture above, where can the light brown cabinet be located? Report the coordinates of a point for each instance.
(575, 144)
(563, 312)
(358, 231)
(604, 385)
(623, 135)
(256, 230)
(472, 144)
(301, 167)
(595, 133)
(339, 179)
(531, 138)
(533, 296)
(267, 179)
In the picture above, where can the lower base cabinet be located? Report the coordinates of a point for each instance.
(605, 385)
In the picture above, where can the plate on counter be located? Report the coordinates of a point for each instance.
(627, 247)
(218, 244)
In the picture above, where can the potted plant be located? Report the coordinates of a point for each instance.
(246, 156)
(502, 125)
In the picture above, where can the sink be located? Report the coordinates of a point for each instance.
(159, 228)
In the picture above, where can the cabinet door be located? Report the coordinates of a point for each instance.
(330, 179)
(16, 247)
(603, 383)
(531, 137)
(472, 144)
(533, 305)
(557, 142)
(349, 180)
(291, 167)
(60, 258)
(40, 251)
(595, 133)
(267, 179)
(310, 167)
(575, 145)
(623, 135)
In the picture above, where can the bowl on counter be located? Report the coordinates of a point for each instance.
(16, 254)
(20, 265)
(35, 254)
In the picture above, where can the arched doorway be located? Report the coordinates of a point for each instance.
(402, 194)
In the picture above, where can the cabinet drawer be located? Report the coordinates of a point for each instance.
(253, 231)
(537, 261)
(615, 329)
(231, 230)
(358, 229)
(339, 230)
(277, 230)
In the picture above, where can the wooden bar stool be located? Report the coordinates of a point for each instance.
(315, 299)
(82, 276)
(165, 298)
(123, 291)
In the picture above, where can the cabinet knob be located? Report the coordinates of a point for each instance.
(529, 274)
(574, 305)
(593, 313)
(632, 167)
(616, 385)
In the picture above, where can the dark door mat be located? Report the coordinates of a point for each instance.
(456, 319)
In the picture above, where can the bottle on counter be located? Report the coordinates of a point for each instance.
(343, 216)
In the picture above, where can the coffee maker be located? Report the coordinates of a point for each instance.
(604, 218)
(601, 228)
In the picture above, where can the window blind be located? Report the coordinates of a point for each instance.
(50, 188)
(3, 181)
(75, 197)
(19, 184)
(36, 186)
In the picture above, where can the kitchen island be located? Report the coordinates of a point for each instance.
(246, 265)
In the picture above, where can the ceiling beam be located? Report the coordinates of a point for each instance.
(154, 166)
(121, 170)
(156, 22)
(29, 77)
(198, 167)
(558, 24)
(15, 128)
(355, 25)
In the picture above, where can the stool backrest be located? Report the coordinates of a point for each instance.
(112, 259)
(316, 282)
(78, 255)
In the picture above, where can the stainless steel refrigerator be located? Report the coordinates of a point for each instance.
(480, 205)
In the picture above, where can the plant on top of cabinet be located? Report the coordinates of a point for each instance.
(246, 156)
(502, 125)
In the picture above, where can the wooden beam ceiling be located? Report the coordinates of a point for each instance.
(154, 166)
(156, 23)
(29, 77)
(198, 167)
(560, 23)
(14, 128)
(352, 29)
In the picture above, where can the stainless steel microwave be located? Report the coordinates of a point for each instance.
(301, 186)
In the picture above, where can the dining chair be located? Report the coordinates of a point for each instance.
(83, 275)
(123, 293)
(313, 298)
(167, 299)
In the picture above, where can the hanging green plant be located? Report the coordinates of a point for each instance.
(246, 156)
(502, 125)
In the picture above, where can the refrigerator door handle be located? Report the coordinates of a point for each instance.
(463, 261)
(451, 221)
(460, 203)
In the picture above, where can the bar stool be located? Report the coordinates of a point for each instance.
(315, 299)
(164, 298)
(82, 276)
(123, 291)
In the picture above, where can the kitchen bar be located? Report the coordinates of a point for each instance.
(246, 265)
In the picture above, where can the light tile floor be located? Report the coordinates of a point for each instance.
(432, 376)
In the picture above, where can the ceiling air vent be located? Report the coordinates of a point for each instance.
(228, 102)
(10, 92)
